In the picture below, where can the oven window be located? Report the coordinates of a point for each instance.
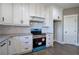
(37, 42)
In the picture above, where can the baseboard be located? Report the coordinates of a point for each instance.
(59, 42)
(66, 43)
(77, 44)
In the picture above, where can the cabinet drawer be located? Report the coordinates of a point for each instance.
(49, 44)
(27, 43)
(26, 38)
(26, 50)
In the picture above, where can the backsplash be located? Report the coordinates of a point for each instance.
(13, 29)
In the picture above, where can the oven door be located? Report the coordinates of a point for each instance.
(37, 42)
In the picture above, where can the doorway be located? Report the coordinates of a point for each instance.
(57, 31)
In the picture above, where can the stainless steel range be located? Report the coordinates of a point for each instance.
(39, 39)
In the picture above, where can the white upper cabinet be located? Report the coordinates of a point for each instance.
(0, 16)
(47, 16)
(32, 9)
(37, 10)
(6, 13)
(42, 11)
(17, 13)
(26, 14)
(57, 13)
(20, 14)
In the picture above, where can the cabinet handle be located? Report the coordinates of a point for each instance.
(21, 21)
(2, 44)
(9, 43)
(26, 37)
(58, 17)
(26, 42)
(26, 48)
(2, 18)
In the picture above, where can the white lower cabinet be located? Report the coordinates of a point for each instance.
(13, 46)
(20, 45)
(49, 40)
(3, 47)
(26, 44)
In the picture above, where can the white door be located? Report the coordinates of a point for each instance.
(70, 29)
(18, 13)
(6, 13)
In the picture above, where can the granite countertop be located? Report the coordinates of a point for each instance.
(16, 34)
(4, 37)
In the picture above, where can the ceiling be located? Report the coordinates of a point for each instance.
(65, 5)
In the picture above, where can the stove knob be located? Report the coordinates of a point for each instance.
(43, 39)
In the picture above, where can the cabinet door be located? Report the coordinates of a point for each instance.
(38, 12)
(18, 13)
(49, 40)
(3, 48)
(57, 13)
(20, 44)
(0, 16)
(42, 11)
(14, 46)
(26, 14)
(32, 9)
(26, 44)
(47, 14)
(6, 13)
